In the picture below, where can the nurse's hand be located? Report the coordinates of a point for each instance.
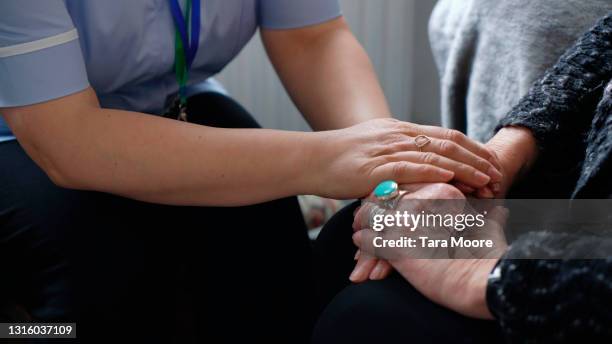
(349, 163)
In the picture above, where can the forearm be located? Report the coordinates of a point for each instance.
(328, 75)
(165, 161)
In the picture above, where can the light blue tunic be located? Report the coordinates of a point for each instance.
(125, 49)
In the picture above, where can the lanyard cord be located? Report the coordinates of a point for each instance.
(186, 41)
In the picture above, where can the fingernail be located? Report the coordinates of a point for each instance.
(447, 174)
(354, 277)
(496, 187)
(494, 173)
(377, 272)
(482, 178)
(487, 193)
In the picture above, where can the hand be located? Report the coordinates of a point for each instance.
(350, 162)
(458, 284)
(516, 150)
(369, 266)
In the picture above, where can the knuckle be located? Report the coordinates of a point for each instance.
(389, 123)
(483, 165)
(400, 169)
(430, 158)
(373, 151)
(447, 147)
(393, 138)
(368, 167)
(412, 130)
(402, 146)
(455, 135)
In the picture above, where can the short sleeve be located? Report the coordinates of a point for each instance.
(40, 54)
(287, 14)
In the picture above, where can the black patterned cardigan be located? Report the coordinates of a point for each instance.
(569, 111)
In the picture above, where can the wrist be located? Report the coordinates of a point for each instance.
(516, 149)
(312, 163)
(477, 290)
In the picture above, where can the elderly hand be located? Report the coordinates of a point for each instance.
(368, 266)
(458, 284)
(516, 151)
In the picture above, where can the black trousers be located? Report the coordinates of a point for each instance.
(129, 271)
(387, 311)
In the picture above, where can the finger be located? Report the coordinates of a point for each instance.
(363, 240)
(362, 218)
(410, 188)
(495, 159)
(447, 143)
(461, 139)
(387, 270)
(485, 193)
(363, 268)
(464, 173)
(404, 172)
(381, 270)
(356, 219)
(464, 188)
(458, 153)
(414, 187)
(496, 188)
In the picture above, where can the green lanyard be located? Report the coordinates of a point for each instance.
(180, 59)
(185, 48)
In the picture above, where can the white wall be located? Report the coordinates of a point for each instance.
(394, 32)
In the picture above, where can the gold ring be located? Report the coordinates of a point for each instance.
(421, 141)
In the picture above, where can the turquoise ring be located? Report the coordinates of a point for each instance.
(388, 194)
(386, 190)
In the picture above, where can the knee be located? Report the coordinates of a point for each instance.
(361, 312)
(347, 318)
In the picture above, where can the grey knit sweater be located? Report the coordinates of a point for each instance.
(490, 52)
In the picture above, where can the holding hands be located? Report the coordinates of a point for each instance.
(458, 284)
